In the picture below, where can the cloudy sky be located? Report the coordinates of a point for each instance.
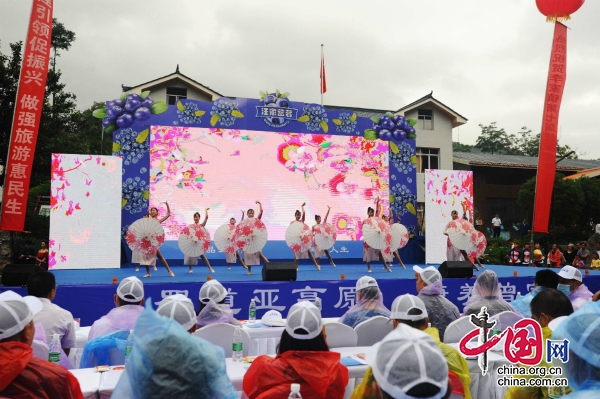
(488, 60)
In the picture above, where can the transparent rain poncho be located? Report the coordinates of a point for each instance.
(486, 292)
(97, 352)
(440, 310)
(168, 362)
(120, 318)
(522, 304)
(215, 313)
(369, 305)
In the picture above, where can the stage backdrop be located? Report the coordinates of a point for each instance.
(84, 219)
(445, 191)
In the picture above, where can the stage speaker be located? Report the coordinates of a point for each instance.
(279, 271)
(456, 269)
(17, 275)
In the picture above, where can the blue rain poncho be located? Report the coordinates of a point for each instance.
(168, 362)
(522, 304)
(107, 350)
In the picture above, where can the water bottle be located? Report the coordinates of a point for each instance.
(252, 312)
(318, 304)
(237, 345)
(295, 392)
(555, 392)
(129, 344)
(518, 295)
(54, 349)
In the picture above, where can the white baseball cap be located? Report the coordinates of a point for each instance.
(429, 275)
(405, 303)
(179, 308)
(366, 282)
(212, 290)
(131, 286)
(407, 357)
(16, 312)
(570, 273)
(304, 316)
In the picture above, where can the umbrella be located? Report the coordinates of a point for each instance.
(194, 240)
(462, 234)
(399, 236)
(324, 235)
(224, 238)
(250, 235)
(298, 236)
(145, 236)
(480, 245)
(377, 233)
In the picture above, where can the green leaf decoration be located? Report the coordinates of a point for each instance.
(123, 96)
(159, 107)
(337, 122)
(214, 119)
(411, 121)
(324, 126)
(123, 202)
(326, 144)
(199, 113)
(262, 94)
(411, 208)
(277, 93)
(394, 147)
(285, 95)
(375, 119)
(370, 134)
(353, 117)
(389, 114)
(237, 113)
(145, 94)
(99, 113)
(146, 194)
(392, 198)
(304, 118)
(116, 147)
(180, 106)
(411, 136)
(413, 159)
(142, 136)
(111, 127)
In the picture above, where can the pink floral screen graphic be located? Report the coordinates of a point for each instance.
(228, 170)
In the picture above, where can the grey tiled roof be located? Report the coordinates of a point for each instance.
(362, 112)
(520, 161)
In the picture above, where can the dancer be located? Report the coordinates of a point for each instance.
(453, 253)
(151, 261)
(387, 258)
(304, 254)
(398, 220)
(371, 254)
(231, 257)
(319, 252)
(193, 260)
(254, 258)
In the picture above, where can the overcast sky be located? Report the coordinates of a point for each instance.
(487, 60)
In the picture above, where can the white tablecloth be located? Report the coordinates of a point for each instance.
(89, 381)
(81, 338)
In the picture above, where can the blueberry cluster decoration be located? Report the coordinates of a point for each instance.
(134, 195)
(403, 157)
(402, 200)
(123, 112)
(224, 111)
(346, 122)
(315, 117)
(189, 113)
(390, 127)
(130, 145)
(276, 99)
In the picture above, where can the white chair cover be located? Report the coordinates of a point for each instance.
(506, 319)
(458, 329)
(373, 330)
(340, 335)
(40, 349)
(222, 335)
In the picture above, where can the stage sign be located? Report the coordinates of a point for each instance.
(85, 217)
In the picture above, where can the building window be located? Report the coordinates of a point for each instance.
(427, 158)
(425, 121)
(175, 94)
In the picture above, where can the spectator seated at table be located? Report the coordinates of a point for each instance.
(486, 292)
(407, 363)
(440, 310)
(129, 301)
(179, 308)
(166, 361)
(582, 329)
(369, 303)
(570, 283)
(546, 306)
(21, 374)
(303, 357)
(213, 309)
(543, 279)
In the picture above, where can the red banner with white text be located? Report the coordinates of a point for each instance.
(557, 76)
(26, 119)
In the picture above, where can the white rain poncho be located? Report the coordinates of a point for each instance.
(168, 362)
(369, 305)
(215, 313)
(440, 310)
(486, 292)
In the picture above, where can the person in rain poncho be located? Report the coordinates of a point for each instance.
(486, 292)
(166, 361)
(570, 283)
(369, 303)
(303, 357)
(441, 311)
(179, 308)
(543, 279)
(213, 309)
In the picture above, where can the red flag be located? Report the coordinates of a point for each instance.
(26, 119)
(323, 81)
(557, 76)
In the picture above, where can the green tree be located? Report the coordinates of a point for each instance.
(459, 147)
(62, 39)
(493, 139)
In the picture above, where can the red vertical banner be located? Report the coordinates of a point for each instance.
(26, 119)
(323, 80)
(557, 76)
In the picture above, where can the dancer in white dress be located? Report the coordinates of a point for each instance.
(452, 253)
(254, 258)
(193, 260)
(231, 257)
(304, 254)
(318, 251)
(148, 261)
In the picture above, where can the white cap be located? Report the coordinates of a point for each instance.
(179, 308)
(304, 316)
(570, 273)
(296, 388)
(131, 286)
(405, 358)
(212, 290)
(16, 312)
(366, 282)
(403, 304)
(429, 275)
(554, 323)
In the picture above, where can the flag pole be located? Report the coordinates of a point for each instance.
(321, 74)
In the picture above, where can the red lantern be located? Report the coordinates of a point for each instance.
(558, 10)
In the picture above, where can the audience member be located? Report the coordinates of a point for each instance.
(21, 374)
(570, 254)
(129, 301)
(486, 292)
(440, 310)
(578, 262)
(213, 309)
(543, 279)
(497, 224)
(538, 255)
(303, 357)
(584, 254)
(595, 263)
(598, 249)
(527, 255)
(555, 257)
(514, 255)
(27, 255)
(570, 283)
(179, 308)
(524, 228)
(369, 303)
